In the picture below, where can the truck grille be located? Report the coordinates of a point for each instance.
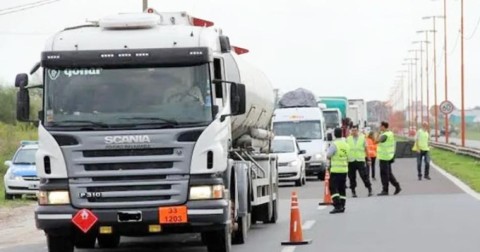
(128, 152)
(129, 178)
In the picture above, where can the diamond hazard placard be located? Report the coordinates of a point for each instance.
(84, 220)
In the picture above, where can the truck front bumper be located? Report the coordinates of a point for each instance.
(202, 216)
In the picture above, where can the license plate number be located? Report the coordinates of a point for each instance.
(173, 215)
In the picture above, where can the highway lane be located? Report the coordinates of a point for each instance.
(427, 216)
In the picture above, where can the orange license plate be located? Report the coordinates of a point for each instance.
(173, 215)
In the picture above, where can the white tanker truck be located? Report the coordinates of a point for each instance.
(151, 124)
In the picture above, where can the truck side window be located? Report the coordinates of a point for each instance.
(217, 74)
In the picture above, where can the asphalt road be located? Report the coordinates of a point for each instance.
(426, 216)
(458, 141)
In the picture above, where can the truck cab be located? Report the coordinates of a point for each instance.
(307, 124)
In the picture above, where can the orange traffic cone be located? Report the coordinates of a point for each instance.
(296, 233)
(327, 197)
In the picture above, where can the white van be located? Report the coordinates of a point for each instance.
(307, 124)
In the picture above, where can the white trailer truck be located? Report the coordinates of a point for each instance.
(151, 123)
(361, 110)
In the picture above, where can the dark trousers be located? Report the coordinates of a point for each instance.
(338, 190)
(423, 155)
(371, 167)
(353, 167)
(387, 175)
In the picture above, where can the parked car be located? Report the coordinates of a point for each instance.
(291, 163)
(21, 176)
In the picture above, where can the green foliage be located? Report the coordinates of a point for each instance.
(465, 168)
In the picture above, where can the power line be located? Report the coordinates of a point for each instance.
(474, 30)
(40, 3)
(23, 5)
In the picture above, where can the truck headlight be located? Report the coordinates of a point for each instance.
(206, 192)
(53, 198)
(293, 163)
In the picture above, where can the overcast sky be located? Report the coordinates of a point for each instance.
(352, 48)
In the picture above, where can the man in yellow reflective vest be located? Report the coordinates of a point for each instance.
(386, 155)
(421, 146)
(338, 153)
(356, 160)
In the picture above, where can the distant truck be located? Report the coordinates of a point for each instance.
(358, 112)
(335, 111)
(300, 116)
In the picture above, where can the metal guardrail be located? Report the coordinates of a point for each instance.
(475, 153)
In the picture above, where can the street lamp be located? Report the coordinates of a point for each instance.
(421, 42)
(416, 51)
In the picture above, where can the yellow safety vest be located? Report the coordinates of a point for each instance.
(339, 161)
(386, 150)
(357, 150)
(423, 140)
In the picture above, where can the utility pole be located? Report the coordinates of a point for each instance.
(434, 18)
(447, 130)
(427, 79)
(410, 89)
(416, 86)
(421, 42)
(145, 5)
(462, 74)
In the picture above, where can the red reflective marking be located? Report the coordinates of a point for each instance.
(202, 22)
(239, 50)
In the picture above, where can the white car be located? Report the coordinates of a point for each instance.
(21, 176)
(291, 163)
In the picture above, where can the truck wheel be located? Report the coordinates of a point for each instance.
(219, 241)
(274, 218)
(85, 241)
(240, 235)
(59, 243)
(108, 241)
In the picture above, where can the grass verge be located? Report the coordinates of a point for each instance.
(465, 168)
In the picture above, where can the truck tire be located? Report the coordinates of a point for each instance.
(274, 218)
(59, 243)
(219, 240)
(108, 241)
(240, 235)
(85, 241)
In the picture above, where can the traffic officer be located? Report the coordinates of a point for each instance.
(421, 146)
(356, 160)
(338, 154)
(386, 155)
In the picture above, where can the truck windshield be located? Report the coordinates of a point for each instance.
(331, 119)
(133, 97)
(302, 130)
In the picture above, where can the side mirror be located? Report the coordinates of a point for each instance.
(23, 98)
(329, 137)
(8, 163)
(301, 152)
(237, 98)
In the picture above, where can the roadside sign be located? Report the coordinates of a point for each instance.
(446, 107)
(84, 220)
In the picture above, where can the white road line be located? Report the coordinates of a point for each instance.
(321, 207)
(457, 182)
(308, 224)
(289, 249)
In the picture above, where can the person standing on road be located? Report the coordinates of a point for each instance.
(356, 160)
(338, 153)
(421, 146)
(386, 155)
(372, 154)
